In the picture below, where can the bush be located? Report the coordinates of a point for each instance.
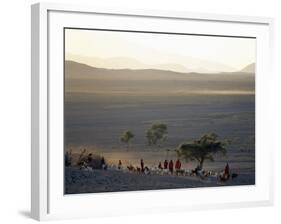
(96, 162)
(92, 160)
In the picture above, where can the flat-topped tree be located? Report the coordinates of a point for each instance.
(203, 149)
(156, 133)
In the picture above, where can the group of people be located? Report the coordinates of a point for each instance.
(170, 166)
(175, 167)
(223, 176)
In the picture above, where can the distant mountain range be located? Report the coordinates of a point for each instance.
(83, 78)
(183, 64)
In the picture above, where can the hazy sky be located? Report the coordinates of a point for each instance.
(181, 53)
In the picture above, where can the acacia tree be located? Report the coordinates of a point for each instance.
(202, 149)
(156, 133)
(126, 137)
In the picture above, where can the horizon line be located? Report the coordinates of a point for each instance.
(170, 70)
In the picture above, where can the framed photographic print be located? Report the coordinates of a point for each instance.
(134, 109)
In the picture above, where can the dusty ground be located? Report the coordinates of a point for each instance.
(78, 181)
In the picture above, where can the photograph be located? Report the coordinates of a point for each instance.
(154, 110)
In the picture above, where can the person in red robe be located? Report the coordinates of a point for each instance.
(171, 166)
(226, 171)
(178, 165)
(160, 166)
(165, 164)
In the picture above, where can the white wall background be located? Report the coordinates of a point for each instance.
(15, 110)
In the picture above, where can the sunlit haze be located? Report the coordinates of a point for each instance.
(181, 53)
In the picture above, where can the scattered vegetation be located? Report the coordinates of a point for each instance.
(81, 157)
(157, 133)
(84, 158)
(126, 137)
(198, 150)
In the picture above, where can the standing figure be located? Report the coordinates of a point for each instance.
(142, 165)
(226, 174)
(103, 164)
(178, 166)
(119, 165)
(165, 164)
(171, 166)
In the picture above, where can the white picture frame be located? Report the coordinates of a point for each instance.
(48, 201)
